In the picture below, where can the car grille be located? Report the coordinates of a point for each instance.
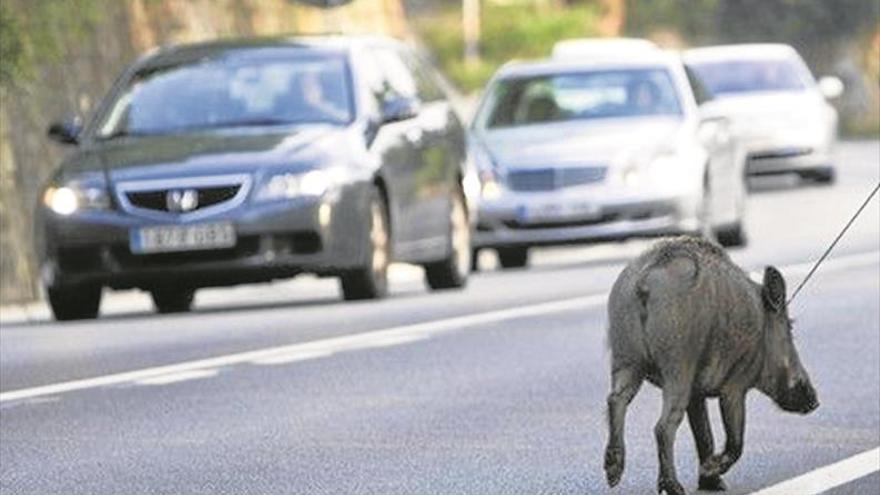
(549, 179)
(207, 196)
(780, 153)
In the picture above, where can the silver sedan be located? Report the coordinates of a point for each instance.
(574, 151)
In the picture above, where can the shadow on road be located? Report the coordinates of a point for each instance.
(116, 317)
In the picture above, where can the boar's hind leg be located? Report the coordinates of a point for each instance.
(675, 402)
(625, 384)
(698, 417)
(733, 413)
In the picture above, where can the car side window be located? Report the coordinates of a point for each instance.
(701, 94)
(397, 76)
(377, 85)
(426, 83)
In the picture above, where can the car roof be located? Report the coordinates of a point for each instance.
(633, 60)
(601, 47)
(756, 51)
(323, 43)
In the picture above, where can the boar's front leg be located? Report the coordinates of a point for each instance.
(733, 413)
(675, 401)
(625, 383)
(698, 417)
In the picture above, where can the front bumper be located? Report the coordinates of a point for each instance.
(274, 240)
(785, 152)
(501, 225)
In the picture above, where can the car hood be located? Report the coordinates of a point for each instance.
(208, 153)
(578, 143)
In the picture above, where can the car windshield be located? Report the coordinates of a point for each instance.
(243, 88)
(581, 95)
(747, 76)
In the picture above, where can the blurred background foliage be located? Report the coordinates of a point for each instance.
(58, 57)
(510, 30)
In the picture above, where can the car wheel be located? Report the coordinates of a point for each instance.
(513, 257)
(75, 302)
(371, 281)
(173, 300)
(732, 235)
(452, 272)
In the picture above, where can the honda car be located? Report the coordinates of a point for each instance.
(245, 161)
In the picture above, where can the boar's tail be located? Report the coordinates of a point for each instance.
(666, 273)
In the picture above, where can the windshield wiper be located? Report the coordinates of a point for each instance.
(119, 133)
(255, 122)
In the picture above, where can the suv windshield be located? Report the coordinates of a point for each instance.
(746, 76)
(582, 95)
(239, 88)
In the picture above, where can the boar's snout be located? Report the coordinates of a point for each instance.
(801, 398)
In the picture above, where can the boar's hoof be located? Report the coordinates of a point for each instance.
(613, 465)
(712, 484)
(670, 487)
(714, 466)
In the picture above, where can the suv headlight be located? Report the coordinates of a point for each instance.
(291, 185)
(67, 200)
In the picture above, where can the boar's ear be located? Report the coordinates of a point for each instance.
(773, 291)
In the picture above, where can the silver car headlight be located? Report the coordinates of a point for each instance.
(490, 180)
(659, 163)
(69, 199)
(313, 183)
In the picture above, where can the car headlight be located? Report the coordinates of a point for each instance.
(490, 186)
(67, 200)
(291, 185)
(490, 182)
(649, 166)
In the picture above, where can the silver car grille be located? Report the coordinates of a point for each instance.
(549, 179)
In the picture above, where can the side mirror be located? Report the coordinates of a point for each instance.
(830, 87)
(400, 108)
(66, 132)
(714, 129)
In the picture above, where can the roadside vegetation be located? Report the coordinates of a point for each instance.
(510, 30)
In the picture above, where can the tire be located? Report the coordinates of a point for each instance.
(475, 260)
(371, 281)
(452, 272)
(513, 257)
(173, 300)
(732, 236)
(75, 302)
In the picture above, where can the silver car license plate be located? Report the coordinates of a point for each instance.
(170, 238)
(550, 212)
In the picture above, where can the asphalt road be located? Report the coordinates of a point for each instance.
(498, 389)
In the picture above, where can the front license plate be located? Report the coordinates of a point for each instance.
(170, 238)
(558, 212)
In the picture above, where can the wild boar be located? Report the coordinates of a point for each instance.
(683, 316)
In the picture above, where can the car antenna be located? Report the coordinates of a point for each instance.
(828, 251)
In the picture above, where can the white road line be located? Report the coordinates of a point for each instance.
(372, 339)
(345, 343)
(293, 357)
(178, 377)
(828, 477)
(847, 261)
